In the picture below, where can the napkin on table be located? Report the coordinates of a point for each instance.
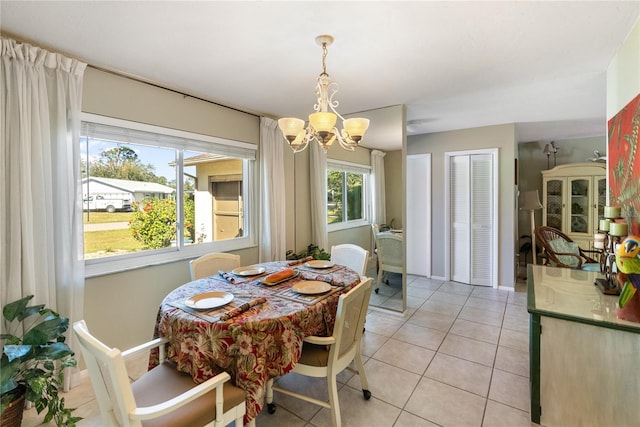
(229, 278)
(241, 309)
(299, 261)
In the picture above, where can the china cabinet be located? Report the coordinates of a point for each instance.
(574, 196)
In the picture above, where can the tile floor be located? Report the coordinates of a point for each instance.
(457, 357)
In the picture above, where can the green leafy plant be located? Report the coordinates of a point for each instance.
(153, 221)
(312, 250)
(34, 355)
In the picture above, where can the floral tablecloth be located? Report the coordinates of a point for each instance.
(261, 343)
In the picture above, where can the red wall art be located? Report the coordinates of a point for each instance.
(624, 163)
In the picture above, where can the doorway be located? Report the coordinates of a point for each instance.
(471, 195)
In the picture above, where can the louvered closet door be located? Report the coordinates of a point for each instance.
(471, 218)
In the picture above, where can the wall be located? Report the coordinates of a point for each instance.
(501, 137)
(393, 183)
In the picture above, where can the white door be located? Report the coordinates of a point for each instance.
(418, 208)
(472, 196)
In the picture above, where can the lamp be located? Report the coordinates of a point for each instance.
(322, 123)
(531, 202)
(548, 150)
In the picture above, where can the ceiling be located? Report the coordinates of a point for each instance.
(454, 64)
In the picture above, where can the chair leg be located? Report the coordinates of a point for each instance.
(364, 383)
(333, 401)
(271, 407)
(380, 273)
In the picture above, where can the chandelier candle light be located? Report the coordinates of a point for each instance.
(322, 123)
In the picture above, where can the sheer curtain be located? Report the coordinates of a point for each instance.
(378, 214)
(272, 197)
(318, 184)
(41, 250)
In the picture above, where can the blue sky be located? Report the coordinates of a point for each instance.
(158, 157)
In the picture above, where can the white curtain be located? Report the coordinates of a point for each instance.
(318, 184)
(378, 214)
(41, 250)
(272, 196)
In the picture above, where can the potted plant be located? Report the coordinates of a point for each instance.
(34, 355)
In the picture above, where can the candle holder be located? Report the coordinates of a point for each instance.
(613, 233)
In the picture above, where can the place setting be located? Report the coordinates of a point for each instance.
(243, 274)
(217, 306)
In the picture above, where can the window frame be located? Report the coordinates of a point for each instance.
(365, 171)
(192, 142)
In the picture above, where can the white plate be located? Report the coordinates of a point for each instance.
(248, 271)
(319, 263)
(209, 300)
(295, 274)
(311, 287)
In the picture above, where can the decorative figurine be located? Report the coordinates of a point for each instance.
(628, 262)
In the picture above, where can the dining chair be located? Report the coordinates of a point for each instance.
(353, 256)
(390, 255)
(560, 250)
(161, 397)
(326, 357)
(210, 264)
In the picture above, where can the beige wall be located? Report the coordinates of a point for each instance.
(623, 74)
(501, 137)
(394, 188)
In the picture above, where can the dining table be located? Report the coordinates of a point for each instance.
(257, 333)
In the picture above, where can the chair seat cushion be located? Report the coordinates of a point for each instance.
(165, 382)
(563, 246)
(314, 355)
(591, 267)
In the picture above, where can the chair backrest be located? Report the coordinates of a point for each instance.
(353, 256)
(109, 377)
(210, 264)
(390, 254)
(349, 325)
(548, 238)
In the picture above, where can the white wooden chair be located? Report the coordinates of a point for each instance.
(210, 264)
(390, 255)
(161, 397)
(353, 256)
(328, 356)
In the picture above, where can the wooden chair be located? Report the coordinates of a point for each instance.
(353, 256)
(328, 356)
(210, 264)
(390, 255)
(561, 251)
(161, 397)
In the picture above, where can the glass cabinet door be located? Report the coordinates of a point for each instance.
(579, 205)
(553, 203)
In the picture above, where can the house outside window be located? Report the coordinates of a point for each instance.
(347, 195)
(153, 194)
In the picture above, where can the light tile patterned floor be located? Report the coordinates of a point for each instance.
(458, 357)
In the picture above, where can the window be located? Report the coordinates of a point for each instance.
(153, 195)
(347, 197)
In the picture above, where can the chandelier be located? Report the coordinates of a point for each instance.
(322, 123)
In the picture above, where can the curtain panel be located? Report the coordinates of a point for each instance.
(378, 214)
(272, 197)
(40, 196)
(318, 192)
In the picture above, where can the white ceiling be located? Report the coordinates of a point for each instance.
(454, 64)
